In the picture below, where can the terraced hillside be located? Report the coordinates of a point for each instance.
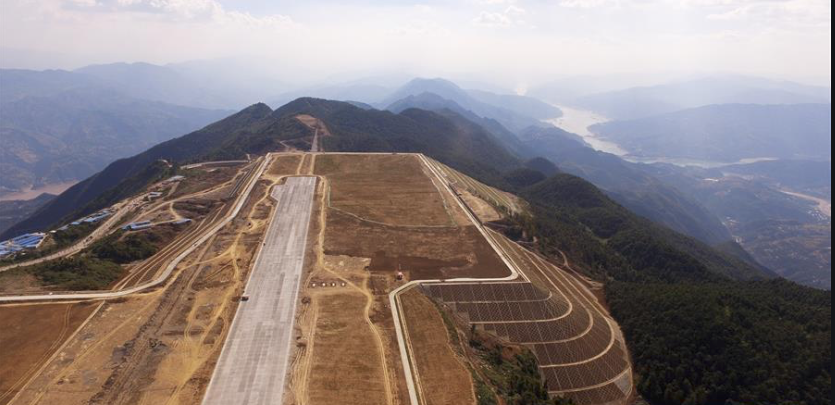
(580, 351)
(497, 198)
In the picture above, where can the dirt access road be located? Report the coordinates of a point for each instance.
(168, 258)
(119, 211)
(160, 346)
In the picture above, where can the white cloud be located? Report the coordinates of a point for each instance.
(494, 2)
(512, 15)
(616, 4)
(177, 10)
(419, 29)
(84, 3)
(488, 19)
(513, 11)
(587, 3)
(797, 13)
(787, 37)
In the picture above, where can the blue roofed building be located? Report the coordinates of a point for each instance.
(135, 226)
(19, 243)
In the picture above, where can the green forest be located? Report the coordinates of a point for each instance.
(98, 266)
(738, 337)
(513, 372)
(755, 342)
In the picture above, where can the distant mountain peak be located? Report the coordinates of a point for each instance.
(257, 107)
(508, 110)
(309, 105)
(437, 81)
(441, 87)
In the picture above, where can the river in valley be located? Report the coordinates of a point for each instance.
(578, 121)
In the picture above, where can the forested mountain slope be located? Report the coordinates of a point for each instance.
(698, 334)
(60, 127)
(73, 134)
(77, 198)
(628, 184)
(257, 129)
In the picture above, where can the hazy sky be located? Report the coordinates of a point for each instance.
(517, 40)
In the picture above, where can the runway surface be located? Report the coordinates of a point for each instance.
(254, 359)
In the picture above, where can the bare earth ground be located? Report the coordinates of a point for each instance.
(428, 250)
(584, 355)
(484, 211)
(319, 130)
(159, 347)
(14, 281)
(284, 165)
(202, 178)
(204, 207)
(29, 335)
(390, 189)
(208, 190)
(345, 368)
(443, 378)
(314, 123)
(346, 347)
(490, 195)
(386, 214)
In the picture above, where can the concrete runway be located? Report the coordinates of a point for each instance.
(253, 362)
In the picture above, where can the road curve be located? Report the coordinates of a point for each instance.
(394, 302)
(168, 270)
(88, 240)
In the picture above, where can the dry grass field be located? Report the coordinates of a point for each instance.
(344, 352)
(378, 214)
(346, 366)
(284, 165)
(490, 195)
(386, 189)
(443, 378)
(201, 179)
(421, 253)
(424, 234)
(29, 335)
(160, 347)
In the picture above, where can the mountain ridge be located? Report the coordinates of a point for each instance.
(58, 128)
(646, 101)
(728, 132)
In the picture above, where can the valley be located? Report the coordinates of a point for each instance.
(31, 193)
(579, 122)
(823, 206)
(743, 194)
